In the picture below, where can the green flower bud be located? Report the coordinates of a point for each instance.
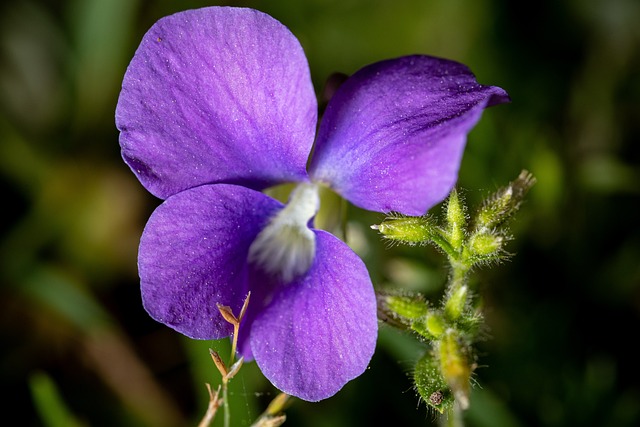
(485, 244)
(407, 230)
(431, 326)
(401, 310)
(435, 324)
(431, 385)
(456, 302)
(456, 220)
(503, 203)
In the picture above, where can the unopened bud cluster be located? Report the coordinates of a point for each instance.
(442, 376)
(480, 239)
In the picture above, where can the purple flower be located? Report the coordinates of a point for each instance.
(216, 106)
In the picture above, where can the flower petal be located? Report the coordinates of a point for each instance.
(193, 255)
(319, 332)
(218, 94)
(393, 135)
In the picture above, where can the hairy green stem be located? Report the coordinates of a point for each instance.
(443, 243)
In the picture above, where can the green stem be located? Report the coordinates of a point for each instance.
(225, 404)
(444, 244)
(225, 380)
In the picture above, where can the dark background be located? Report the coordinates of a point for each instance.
(76, 347)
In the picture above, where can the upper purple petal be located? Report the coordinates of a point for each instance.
(193, 254)
(320, 331)
(393, 135)
(217, 94)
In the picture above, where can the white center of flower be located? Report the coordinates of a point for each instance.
(286, 247)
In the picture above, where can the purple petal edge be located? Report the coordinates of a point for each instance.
(393, 135)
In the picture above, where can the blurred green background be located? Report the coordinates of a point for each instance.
(77, 349)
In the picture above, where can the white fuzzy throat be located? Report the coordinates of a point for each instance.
(286, 247)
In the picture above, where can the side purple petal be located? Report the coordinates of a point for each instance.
(319, 332)
(193, 254)
(393, 135)
(218, 94)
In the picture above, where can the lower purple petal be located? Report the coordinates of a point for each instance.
(193, 255)
(319, 332)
